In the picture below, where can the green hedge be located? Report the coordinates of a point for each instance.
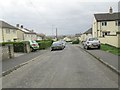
(45, 44)
(76, 41)
(18, 46)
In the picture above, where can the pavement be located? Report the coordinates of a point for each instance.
(68, 68)
(107, 58)
(19, 54)
(20, 58)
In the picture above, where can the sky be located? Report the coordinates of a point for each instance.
(44, 16)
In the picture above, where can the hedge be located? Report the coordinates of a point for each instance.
(18, 46)
(44, 44)
(76, 41)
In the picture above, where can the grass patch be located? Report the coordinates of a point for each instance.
(110, 49)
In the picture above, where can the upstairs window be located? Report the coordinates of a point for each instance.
(7, 31)
(104, 23)
(117, 23)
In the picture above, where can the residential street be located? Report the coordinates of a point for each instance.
(68, 68)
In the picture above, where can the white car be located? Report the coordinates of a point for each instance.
(91, 43)
(33, 45)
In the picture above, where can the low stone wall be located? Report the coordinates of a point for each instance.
(27, 48)
(6, 52)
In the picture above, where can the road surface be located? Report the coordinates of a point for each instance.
(68, 68)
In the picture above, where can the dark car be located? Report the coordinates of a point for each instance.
(57, 46)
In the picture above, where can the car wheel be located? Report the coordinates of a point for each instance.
(31, 50)
(51, 49)
(86, 47)
(98, 47)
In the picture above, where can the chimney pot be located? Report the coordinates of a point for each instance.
(17, 25)
(21, 26)
(110, 10)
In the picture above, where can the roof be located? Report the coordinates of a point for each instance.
(6, 25)
(89, 31)
(107, 16)
(26, 31)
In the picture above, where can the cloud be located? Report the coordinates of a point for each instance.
(69, 16)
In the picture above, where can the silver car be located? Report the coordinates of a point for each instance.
(91, 43)
(63, 42)
(57, 46)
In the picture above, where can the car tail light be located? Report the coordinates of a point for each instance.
(33, 45)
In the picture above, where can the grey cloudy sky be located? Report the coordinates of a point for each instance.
(69, 16)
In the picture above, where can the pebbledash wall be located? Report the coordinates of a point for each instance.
(6, 52)
(111, 40)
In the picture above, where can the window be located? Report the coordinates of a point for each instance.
(105, 33)
(14, 31)
(117, 23)
(8, 31)
(104, 23)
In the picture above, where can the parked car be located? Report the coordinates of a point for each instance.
(57, 46)
(91, 43)
(33, 45)
(63, 42)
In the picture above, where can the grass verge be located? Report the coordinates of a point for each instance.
(110, 49)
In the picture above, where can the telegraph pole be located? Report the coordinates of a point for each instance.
(56, 33)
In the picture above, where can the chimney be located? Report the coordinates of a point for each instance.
(110, 10)
(17, 25)
(32, 30)
(21, 26)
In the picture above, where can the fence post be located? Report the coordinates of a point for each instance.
(26, 47)
(11, 50)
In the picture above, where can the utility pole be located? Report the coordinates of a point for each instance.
(56, 33)
(52, 29)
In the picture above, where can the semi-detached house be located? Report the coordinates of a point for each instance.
(86, 34)
(26, 33)
(7, 32)
(106, 27)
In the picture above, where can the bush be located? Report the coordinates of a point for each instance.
(76, 41)
(45, 44)
(18, 46)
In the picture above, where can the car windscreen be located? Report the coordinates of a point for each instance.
(92, 39)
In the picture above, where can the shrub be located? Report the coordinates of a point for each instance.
(44, 44)
(76, 41)
(18, 46)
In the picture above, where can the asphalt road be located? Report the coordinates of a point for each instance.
(68, 68)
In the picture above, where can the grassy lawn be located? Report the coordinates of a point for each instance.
(110, 49)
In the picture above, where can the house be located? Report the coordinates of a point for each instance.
(38, 37)
(67, 39)
(7, 32)
(25, 34)
(106, 27)
(86, 34)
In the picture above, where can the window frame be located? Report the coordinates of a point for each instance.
(104, 23)
(7, 31)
